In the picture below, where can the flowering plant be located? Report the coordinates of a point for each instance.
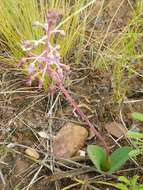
(47, 67)
(47, 64)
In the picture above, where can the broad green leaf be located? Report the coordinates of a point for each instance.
(97, 155)
(135, 135)
(124, 179)
(137, 116)
(118, 158)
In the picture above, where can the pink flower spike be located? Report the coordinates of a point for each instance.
(48, 62)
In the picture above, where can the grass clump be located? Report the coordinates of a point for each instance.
(17, 17)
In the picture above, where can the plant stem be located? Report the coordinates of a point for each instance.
(83, 116)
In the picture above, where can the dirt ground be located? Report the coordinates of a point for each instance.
(24, 112)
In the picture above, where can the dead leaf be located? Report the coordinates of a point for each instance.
(69, 140)
(115, 129)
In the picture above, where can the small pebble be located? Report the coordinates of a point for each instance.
(32, 153)
(82, 153)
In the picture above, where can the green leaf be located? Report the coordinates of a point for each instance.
(140, 187)
(121, 186)
(136, 152)
(135, 135)
(137, 116)
(97, 155)
(134, 181)
(118, 158)
(124, 179)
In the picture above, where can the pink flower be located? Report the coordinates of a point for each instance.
(31, 68)
(48, 62)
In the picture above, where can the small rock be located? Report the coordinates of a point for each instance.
(116, 129)
(69, 140)
(81, 153)
(32, 153)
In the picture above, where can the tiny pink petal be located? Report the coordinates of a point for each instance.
(31, 68)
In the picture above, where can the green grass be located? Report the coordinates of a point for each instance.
(16, 18)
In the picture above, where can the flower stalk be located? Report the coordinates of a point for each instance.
(48, 65)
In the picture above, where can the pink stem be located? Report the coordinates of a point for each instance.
(83, 116)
